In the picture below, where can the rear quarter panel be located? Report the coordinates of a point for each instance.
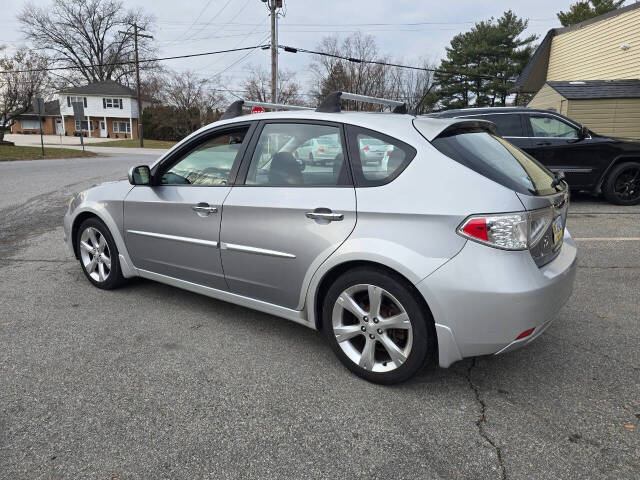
(409, 225)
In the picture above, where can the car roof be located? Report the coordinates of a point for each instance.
(460, 112)
(392, 124)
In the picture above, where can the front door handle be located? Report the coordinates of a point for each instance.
(204, 209)
(324, 214)
(543, 144)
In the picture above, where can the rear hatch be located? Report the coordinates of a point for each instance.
(474, 144)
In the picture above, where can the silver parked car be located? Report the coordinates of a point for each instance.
(319, 151)
(457, 247)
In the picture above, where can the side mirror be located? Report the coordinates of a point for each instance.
(140, 175)
(584, 132)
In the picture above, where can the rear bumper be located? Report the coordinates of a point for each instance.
(483, 298)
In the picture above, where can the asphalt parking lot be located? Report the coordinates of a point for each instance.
(153, 382)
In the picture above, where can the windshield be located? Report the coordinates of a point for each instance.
(498, 160)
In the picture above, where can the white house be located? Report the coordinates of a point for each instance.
(110, 110)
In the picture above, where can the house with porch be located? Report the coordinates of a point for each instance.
(110, 110)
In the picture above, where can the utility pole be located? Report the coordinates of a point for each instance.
(273, 7)
(136, 34)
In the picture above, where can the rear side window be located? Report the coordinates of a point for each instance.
(496, 159)
(376, 158)
(298, 154)
(509, 125)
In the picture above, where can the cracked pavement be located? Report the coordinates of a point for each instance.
(153, 382)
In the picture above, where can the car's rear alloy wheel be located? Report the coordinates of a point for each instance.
(98, 254)
(377, 326)
(95, 254)
(372, 328)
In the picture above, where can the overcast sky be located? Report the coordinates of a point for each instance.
(224, 24)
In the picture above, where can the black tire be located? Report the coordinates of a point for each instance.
(114, 278)
(423, 330)
(622, 185)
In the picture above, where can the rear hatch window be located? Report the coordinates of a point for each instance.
(496, 159)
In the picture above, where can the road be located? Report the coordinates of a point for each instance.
(149, 381)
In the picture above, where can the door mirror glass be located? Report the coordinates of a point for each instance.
(140, 175)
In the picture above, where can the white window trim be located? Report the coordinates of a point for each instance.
(89, 126)
(117, 124)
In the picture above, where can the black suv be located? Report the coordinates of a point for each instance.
(592, 162)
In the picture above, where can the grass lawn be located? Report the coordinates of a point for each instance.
(132, 143)
(8, 153)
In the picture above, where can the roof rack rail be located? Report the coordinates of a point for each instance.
(235, 109)
(331, 104)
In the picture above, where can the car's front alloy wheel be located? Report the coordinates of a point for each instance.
(622, 186)
(95, 254)
(98, 254)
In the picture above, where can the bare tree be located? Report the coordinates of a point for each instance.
(408, 85)
(17, 86)
(83, 35)
(257, 86)
(334, 74)
(356, 77)
(188, 92)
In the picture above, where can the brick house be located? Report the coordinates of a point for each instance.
(110, 111)
(28, 121)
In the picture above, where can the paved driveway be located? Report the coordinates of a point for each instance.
(153, 382)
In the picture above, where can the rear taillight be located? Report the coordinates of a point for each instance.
(320, 149)
(366, 148)
(508, 231)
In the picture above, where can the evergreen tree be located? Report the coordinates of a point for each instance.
(586, 9)
(481, 65)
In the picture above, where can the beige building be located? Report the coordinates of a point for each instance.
(590, 72)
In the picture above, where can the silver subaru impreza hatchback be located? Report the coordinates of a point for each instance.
(452, 245)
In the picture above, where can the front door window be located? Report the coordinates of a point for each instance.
(208, 164)
(548, 127)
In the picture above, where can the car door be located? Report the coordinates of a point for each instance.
(556, 143)
(282, 222)
(173, 226)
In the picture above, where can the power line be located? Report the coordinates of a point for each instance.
(130, 62)
(386, 64)
(210, 20)
(195, 21)
(240, 59)
(468, 22)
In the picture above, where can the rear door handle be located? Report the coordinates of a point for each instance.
(204, 209)
(543, 144)
(325, 214)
